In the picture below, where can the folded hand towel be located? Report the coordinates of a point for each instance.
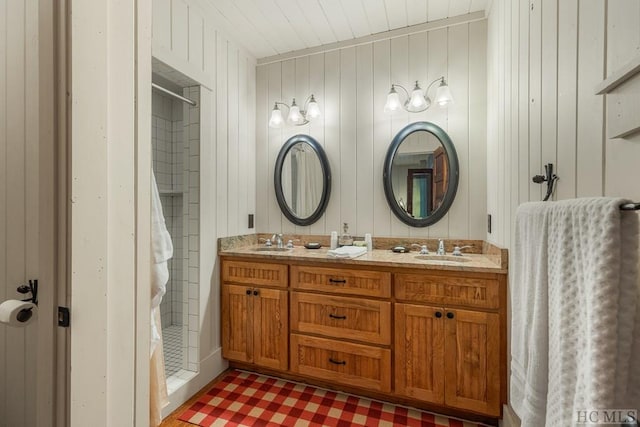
(347, 252)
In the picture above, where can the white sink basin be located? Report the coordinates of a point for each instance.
(271, 249)
(449, 259)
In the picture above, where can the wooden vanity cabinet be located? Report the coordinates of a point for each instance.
(429, 337)
(449, 354)
(255, 318)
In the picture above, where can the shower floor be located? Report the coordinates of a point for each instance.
(172, 347)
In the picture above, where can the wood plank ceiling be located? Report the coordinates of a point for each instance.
(273, 27)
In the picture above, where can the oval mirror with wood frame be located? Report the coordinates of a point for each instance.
(420, 174)
(302, 180)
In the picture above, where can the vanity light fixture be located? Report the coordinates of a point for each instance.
(296, 116)
(418, 100)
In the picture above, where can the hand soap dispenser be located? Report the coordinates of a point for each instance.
(345, 237)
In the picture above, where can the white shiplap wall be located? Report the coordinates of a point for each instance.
(351, 85)
(18, 205)
(187, 37)
(545, 60)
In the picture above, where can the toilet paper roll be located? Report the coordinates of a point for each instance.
(17, 313)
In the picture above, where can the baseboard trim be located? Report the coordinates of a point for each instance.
(210, 367)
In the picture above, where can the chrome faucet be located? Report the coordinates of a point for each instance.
(267, 242)
(423, 248)
(457, 251)
(277, 238)
(441, 250)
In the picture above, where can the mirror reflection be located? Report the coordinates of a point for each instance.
(419, 174)
(302, 180)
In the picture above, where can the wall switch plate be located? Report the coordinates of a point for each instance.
(489, 223)
(250, 220)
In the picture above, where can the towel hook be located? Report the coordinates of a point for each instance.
(550, 179)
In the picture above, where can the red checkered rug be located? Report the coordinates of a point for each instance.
(248, 399)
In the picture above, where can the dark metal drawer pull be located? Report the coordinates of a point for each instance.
(337, 281)
(333, 316)
(337, 362)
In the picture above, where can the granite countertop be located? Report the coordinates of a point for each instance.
(492, 261)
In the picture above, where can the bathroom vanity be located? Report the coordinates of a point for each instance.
(424, 331)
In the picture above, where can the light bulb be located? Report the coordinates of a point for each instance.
(417, 102)
(294, 114)
(443, 95)
(313, 111)
(393, 101)
(276, 118)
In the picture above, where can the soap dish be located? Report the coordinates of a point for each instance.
(312, 245)
(400, 249)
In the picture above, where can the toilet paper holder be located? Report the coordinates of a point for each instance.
(32, 288)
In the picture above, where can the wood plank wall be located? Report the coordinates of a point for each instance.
(545, 59)
(19, 124)
(187, 37)
(351, 85)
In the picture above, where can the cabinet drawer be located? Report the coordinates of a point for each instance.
(341, 362)
(254, 273)
(342, 317)
(443, 290)
(343, 281)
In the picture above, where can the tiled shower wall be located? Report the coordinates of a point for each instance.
(167, 143)
(191, 235)
(176, 162)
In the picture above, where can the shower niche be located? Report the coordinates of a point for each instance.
(175, 130)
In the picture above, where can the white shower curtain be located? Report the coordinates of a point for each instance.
(308, 186)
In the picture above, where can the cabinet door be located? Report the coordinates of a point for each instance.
(237, 330)
(419, 348)
(472, 361)
(270, 328)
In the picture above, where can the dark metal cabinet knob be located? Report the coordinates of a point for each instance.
(450, 315)
(256, 292)
(438, 314)
(248, 291)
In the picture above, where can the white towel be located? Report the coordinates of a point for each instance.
(162, 251)
(592, 321)
(161, 246)
(529, 338)
(347, 252)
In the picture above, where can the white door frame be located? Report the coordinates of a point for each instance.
(110, 169)
(52, 393)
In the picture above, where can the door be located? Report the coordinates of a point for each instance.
(419, 346)
(270, 325)
(237, 329)
(30, 392)
(440, 176)
(473, 361)
(419, 198)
